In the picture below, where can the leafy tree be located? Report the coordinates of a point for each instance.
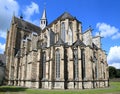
(1, 63)
(118, 73)
(112, 72)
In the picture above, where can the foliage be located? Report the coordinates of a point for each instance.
(118, 73)
(113, 89)
(113, 72)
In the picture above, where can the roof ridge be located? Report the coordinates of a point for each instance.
(26, 25)
(62, 17)
(26, 21)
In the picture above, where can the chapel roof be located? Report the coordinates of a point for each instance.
(26, 25)
(65, 15)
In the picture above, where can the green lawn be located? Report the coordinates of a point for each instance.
(113, 89)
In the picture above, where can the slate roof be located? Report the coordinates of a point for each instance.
(65, 15)
(26, 25)
(78, 43)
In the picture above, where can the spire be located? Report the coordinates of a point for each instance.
(44, 14)
(43, 20)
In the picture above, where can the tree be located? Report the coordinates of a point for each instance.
(112, 72)
(118, 73)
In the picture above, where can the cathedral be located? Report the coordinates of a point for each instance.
(58, 55)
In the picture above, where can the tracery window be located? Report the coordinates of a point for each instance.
(56, 30)
(63, 33)
(57, 61)
(70, 33)
(34, 43)
(45, 40)
(96, 74)
(28, 45)
(96, 65)
(43, 65)
(83, 63)
(75, 58)
(23, 48)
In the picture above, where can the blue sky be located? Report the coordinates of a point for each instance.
(101, 15)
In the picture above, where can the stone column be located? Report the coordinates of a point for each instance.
(88, 68)
(79, 68)
(51, 68)
(62, 63)
(70, 68)
(47, 64)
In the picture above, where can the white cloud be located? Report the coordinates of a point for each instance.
(116, 65)
(7, 8)
(3, 34)
(2, 47)
(116, 36)
(113, 57)
(106, 30)
(30, 10)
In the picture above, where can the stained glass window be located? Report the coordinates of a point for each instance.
(57, 60)
(83, 63)
(70, 34)
(75, 54)
(63, 34)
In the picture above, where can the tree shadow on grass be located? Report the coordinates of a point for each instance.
(12, 89)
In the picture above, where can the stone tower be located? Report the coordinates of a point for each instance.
(43, 20)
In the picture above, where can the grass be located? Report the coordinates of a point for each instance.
(113, 89)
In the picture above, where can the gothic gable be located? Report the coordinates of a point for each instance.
(94, 46)
(59, 42)
(65, 15)
(78, 43)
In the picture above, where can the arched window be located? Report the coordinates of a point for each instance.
(43, 65)
(83, 63)
(57, 61)
(63, 33)
(96, 64)
(96, 74)
(70, 34)
(28, 45)
(75, 56)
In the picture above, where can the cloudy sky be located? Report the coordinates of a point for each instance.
(102, 15)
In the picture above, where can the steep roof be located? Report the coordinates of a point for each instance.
(25, 25)
(60, 42)
(65, 15)
(44, 14)
(78, 42)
